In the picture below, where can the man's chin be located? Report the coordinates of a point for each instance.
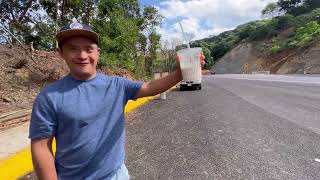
(83, 75)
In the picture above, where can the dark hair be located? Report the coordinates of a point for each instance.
(60, 46)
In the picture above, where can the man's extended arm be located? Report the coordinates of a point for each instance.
(160, 85)
(43, 159)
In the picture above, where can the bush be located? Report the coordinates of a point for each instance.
(306, 18)
(263, 32)
(284, 22)
(245, 32)
(220, 49)
(307, 33)
(275, 48)
(209, 60)
(107, 59)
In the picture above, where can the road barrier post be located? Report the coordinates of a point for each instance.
(158, 75)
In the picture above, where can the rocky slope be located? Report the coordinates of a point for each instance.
(294, 61)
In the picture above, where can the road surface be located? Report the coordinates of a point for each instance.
(236, 127)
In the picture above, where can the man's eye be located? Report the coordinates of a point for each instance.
(89, 49)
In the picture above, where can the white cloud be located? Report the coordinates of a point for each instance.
(202, 18)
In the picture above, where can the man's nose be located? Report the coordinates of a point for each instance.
(83, 55)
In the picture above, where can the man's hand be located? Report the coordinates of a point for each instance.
(202, 61)
(160, 85)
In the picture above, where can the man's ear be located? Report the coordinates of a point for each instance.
(99, 50)
(59, 51)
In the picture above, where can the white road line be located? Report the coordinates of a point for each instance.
(274, 78)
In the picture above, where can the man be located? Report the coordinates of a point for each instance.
(84, 111)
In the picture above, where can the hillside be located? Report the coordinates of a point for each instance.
(23, 74)
(233, 61)
(285, 44)
(297, 61)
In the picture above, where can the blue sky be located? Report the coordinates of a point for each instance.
(202, 18)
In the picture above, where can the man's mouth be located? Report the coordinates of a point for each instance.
(82, 64)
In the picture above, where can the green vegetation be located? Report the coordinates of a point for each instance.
(300, 19)
(128, 36)
(298, 7)
(127, 31)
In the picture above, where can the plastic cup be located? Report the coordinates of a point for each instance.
(190, 64)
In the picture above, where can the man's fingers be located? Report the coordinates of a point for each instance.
(205, 72)
(202, 57)
(202, 62)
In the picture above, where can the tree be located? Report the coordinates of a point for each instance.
(117, 24)
(127, 32)
(271, 10)
(312, 4)
(297, 7)
(16, 17)
(168, 54)
(154, 40)
(150, 18)
(64, 11)
(149, 21)
(24, 20)
(290, 6)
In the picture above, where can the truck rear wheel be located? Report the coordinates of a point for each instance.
(182, 87)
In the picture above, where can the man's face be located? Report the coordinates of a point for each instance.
(81, 55)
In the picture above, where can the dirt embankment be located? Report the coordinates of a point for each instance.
(23, 73)
(293, 61)
(233, 61)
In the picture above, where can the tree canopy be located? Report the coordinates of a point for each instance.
(126, 29)
(297, 7)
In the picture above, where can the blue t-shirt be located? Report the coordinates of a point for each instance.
(87, 120)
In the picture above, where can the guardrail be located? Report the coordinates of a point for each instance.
(261, 72)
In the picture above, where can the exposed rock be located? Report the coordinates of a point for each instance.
(6, 99)
(19, 63)
(233, 62)
(295, 61)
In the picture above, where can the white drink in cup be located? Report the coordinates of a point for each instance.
(190, 65)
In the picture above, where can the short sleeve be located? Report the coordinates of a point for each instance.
(43, 123)
(131, 88)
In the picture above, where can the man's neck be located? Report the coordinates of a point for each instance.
(84, 77)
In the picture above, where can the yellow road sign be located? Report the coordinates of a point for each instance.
(246, 68)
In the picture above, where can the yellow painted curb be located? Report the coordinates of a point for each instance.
(134, 104)
(20, 164)
(16, 166)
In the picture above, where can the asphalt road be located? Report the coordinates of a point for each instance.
(234, 128)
